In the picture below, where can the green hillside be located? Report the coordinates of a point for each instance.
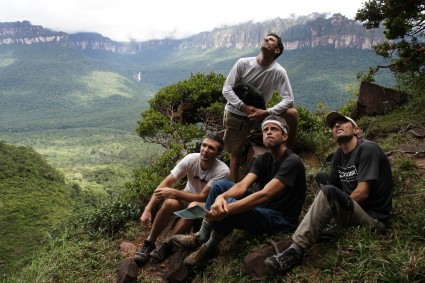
(321, 74)
(34, 200)
(46, 86)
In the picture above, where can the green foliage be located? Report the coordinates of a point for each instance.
(312, 136)
(109, 218)
(184, 111)
(404, 29)
(34, 199)
(147, 178)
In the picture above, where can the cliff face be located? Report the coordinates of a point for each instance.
(302, 32)
(26, 33)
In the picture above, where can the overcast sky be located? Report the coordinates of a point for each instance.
(122, 20)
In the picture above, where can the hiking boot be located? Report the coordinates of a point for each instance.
(200, 256)
(187, 241)
(162, 252)
(285, 261)
(142, 256)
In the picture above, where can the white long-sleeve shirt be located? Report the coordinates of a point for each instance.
(266, 79)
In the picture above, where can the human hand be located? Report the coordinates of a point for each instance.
(258, 114)
(248, 109)
(219, 208)
(146, 218)
(163, 193)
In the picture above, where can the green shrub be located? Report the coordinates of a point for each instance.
(109, 218)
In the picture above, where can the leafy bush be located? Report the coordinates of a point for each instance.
(312, 137)
(109, 218)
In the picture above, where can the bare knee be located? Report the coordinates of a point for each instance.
(291, 115)
(170, 204)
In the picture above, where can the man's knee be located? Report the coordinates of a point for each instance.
(291, 115)
(221, 186)
(321, 178)
(336, 196)
(170, 204)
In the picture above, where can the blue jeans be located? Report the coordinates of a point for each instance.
(258, 220)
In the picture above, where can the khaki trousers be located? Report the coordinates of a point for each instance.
(323, 210)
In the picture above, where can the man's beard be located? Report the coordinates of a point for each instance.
(273, 144)
(344, 139)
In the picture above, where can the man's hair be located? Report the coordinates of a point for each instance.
(279, 44)
(217, 138)
(278, 119)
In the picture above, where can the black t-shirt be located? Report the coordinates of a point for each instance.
(367, 162)
(289, 170)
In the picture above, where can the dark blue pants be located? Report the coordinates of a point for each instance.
(259, 220)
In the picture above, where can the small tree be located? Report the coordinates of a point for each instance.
(183, 112)
(404, 22)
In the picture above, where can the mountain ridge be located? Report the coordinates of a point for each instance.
(297, 33)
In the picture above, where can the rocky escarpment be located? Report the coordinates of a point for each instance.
(26, 33)
(301, 32)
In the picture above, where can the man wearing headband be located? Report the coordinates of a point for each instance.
(274, 207)
(264, 75)
(358, 191)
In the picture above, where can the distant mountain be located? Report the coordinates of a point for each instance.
(51, 79)
(301, 32)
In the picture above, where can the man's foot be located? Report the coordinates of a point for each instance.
(162, 252)
(187, 241)
(200, 256)
(142, 256)
(285, 261)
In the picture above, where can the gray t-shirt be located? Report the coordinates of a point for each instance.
(266, 79)
(197, 178)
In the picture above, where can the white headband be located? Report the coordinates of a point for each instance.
(275, 122)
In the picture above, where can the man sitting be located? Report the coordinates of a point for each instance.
(202, 171)
(358, 191)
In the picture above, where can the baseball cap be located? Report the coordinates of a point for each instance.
(333, 116)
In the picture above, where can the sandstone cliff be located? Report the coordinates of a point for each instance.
(301, 32)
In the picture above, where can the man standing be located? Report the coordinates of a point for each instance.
(265, 75)
(275, 207)
(202, 171)
(358, 192)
